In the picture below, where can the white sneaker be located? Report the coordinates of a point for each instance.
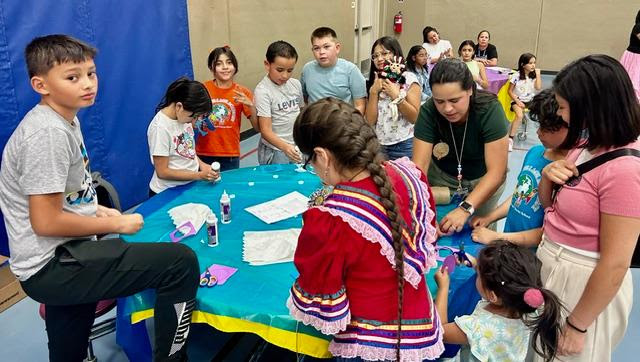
(510, 144)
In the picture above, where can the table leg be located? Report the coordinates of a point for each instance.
(132, 338)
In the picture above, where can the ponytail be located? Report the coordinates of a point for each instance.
(512, 272)
(546, 326)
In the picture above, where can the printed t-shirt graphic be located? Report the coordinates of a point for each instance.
(226, 115)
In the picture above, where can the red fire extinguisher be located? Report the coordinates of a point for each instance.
(397, 22)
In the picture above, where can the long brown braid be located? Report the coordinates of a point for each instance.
(338, 127)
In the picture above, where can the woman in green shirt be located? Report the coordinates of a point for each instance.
(461, 140)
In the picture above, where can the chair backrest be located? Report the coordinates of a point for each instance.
(106, 193)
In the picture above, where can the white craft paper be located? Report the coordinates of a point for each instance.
(269, 247)
(196, 213)
(284, 207)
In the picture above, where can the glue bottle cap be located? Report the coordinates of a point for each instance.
(212, 219)
(215, 166)
(225, 197)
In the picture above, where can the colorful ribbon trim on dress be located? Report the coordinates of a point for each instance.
(328, 313)
(421, 339)
(365, 214)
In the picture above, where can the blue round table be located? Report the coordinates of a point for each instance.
(253, 299)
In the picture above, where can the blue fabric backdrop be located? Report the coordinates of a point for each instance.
(142, 47)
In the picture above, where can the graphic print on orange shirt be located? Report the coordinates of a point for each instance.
(226, 116)
(223, 113)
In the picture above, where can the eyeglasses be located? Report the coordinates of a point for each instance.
(375, 56)
(306, 163)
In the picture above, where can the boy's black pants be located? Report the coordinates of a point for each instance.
(84, 272)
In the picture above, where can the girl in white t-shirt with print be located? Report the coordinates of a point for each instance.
(523, 86)
(171, 137)
(392, 108)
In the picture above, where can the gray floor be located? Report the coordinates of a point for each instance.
(22, 335)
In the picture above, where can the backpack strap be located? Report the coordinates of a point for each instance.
(598, 161)
(605, 157)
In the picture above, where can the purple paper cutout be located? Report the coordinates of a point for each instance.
(221, 272)
(450, 263)
(191, 231)
(444, 247)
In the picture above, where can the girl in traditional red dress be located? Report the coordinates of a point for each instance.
(363, 252)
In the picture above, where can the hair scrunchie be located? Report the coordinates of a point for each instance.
(533, 297)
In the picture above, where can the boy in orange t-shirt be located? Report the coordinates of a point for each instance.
(230, 100)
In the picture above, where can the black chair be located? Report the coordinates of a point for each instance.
(107, 194)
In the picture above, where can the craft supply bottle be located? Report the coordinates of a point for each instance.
(216, 167)
(212, 230)
(225, 207)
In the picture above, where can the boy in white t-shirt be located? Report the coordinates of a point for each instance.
(278, 99)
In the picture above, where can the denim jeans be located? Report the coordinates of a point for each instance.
(226, 163)
(399, 150)
(271, 156)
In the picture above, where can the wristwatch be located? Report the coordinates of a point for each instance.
(466, 206)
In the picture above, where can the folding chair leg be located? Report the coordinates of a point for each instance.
(91, 357)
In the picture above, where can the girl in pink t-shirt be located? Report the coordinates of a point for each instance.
(592, 226)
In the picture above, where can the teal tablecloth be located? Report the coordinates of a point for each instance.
(253, 299)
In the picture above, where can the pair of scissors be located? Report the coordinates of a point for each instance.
(462, 256)
(208, 280)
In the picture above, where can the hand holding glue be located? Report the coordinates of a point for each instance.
(292, 152)
(299, 164)
(215, 167)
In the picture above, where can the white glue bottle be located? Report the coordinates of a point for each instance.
(216, 167)
(212, 230)
(225, 207)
